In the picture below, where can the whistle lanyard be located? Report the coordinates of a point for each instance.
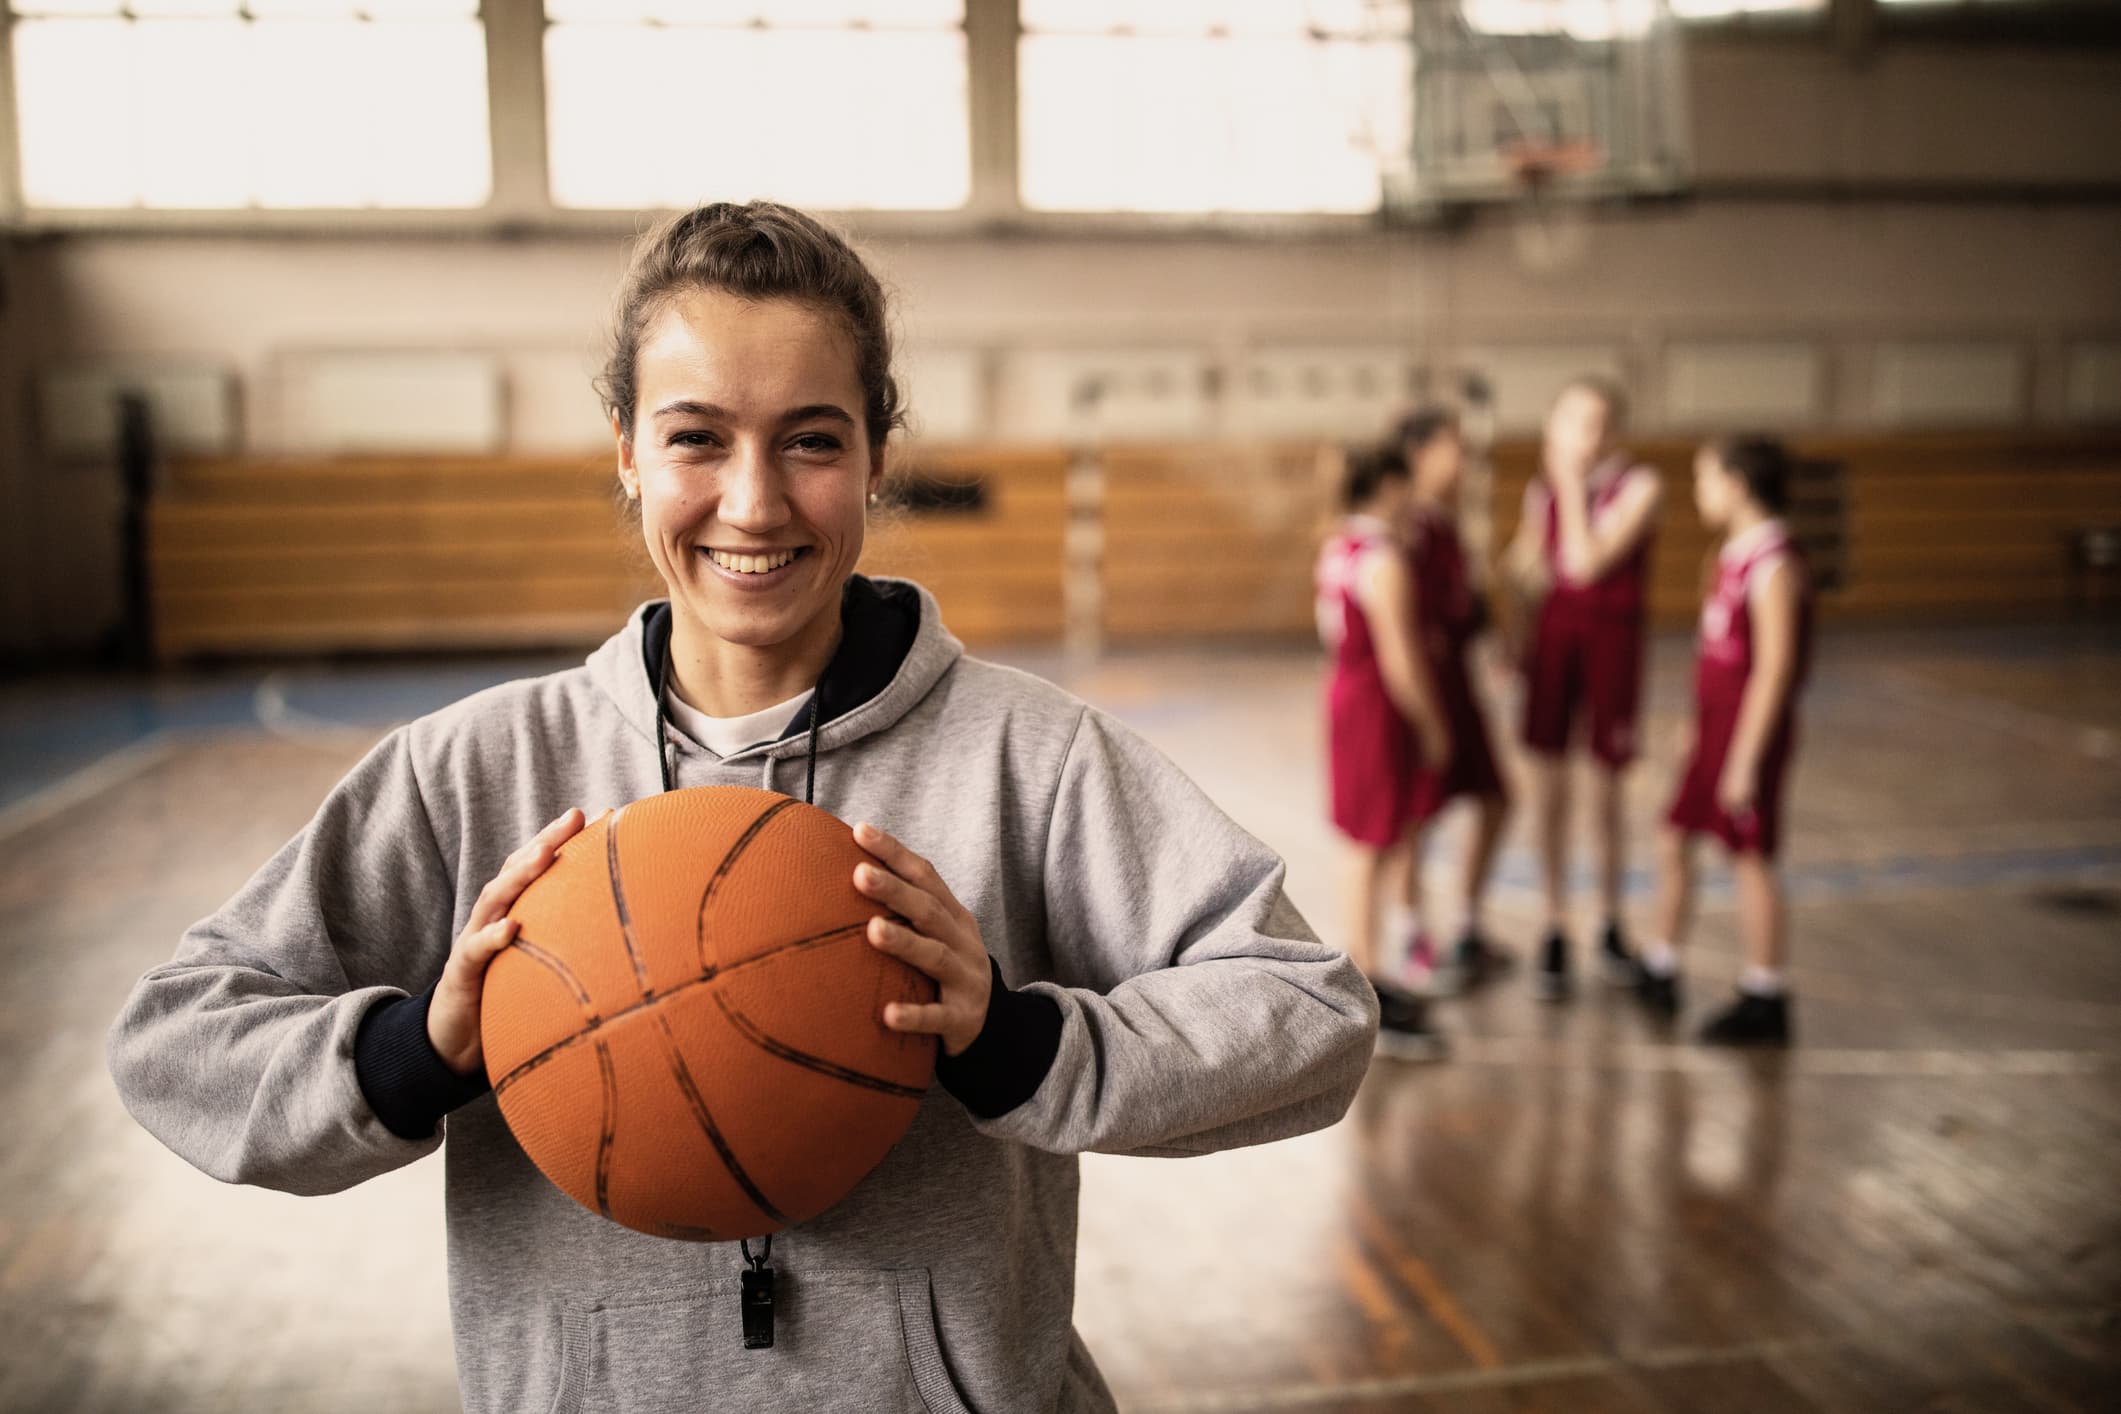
(756, 1277)
(666, 749)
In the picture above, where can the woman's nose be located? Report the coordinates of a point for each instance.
(752, 497)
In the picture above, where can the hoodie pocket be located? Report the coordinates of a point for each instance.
(842, 1340)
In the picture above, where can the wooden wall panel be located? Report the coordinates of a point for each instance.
(279, 556)
(1197, 542)
(1939, 527)
(1210, 542)
(995, 572)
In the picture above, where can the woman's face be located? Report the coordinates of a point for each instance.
(752, 463)
(1438, 463)
(1715, 490)
(1577, 429)
(1392, 499)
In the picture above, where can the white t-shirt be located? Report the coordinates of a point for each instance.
(725, 736)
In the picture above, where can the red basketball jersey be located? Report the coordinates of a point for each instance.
(1725, 657)
(1370, 748)
(1723, 663)
(1444, 603)
(1623, 590)
(1447, 619)
(1342, 625)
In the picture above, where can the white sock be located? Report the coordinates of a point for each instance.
(1760, 981)
(1402, 924)
(1659, 958)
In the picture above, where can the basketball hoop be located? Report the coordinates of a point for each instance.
(1553, 215)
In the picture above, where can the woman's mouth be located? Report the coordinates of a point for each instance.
(757, 569)
(765, 563)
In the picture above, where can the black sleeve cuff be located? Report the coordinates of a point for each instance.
(406, 1083)
(1008, 1060)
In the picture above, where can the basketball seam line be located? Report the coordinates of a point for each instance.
(566, 974)
(598, 1023)
(618, 897)
(749, 1030)
(743, 842)
(698, 1104)
(608, 1138)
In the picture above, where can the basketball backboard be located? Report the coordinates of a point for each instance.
(1553, 99)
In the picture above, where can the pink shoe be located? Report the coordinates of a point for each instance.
(1418, 972)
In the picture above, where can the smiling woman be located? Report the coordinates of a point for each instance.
(750, 444)
(1167, 998)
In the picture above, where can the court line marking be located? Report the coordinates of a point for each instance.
(1571, 1367)
(1905, 684)
(1891, 994)
(1829, 985)
(112, 769)
(1828, 1061)
(269, 706)
(281, 718)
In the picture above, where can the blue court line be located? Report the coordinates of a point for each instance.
(68, 728)
(54, 729)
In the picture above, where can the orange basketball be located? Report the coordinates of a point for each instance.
(687, 1033)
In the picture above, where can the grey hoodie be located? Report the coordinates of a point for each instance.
(1197, 1012)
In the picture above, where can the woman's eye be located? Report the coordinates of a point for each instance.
(691, 439)
(816, 443)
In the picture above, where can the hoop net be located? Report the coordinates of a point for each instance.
(1553, 220)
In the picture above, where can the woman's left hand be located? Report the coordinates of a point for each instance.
(942, 941)
(1734, 792)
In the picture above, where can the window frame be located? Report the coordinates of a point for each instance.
(17, 215)
(520, 203)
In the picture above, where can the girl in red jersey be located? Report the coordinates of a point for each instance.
(1583, 542)
(1449, 615)
(1755, 646)
(1383, 718)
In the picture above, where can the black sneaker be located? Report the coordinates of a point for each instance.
(1750, 1021)
(1403, 1029)
(1660, 996)
(1472, 961)
(1616, 963)
(1552, 983)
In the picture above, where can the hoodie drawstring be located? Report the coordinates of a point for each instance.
(666, 749)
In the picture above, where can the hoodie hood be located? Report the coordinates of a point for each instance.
(893, 650)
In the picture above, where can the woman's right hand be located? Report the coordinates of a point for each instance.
(1433, 734)
(453, 1019)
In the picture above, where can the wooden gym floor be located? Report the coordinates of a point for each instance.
(1917, 1208)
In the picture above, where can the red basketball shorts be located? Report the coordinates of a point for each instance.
(1584, 668)
(1695, 811)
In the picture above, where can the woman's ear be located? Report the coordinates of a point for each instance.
(629, 475)
(876, 474)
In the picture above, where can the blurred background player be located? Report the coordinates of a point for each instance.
(1583, 542)
(1383, 719)
(1755, 648)
(1449, 616)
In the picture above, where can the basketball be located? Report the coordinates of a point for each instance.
(687, 1033)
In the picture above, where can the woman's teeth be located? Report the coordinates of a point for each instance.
(751, 564)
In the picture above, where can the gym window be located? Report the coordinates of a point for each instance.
(1592, 20)
(1734, 9)
(838, 104)
(230, 104)
(1201, 106)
